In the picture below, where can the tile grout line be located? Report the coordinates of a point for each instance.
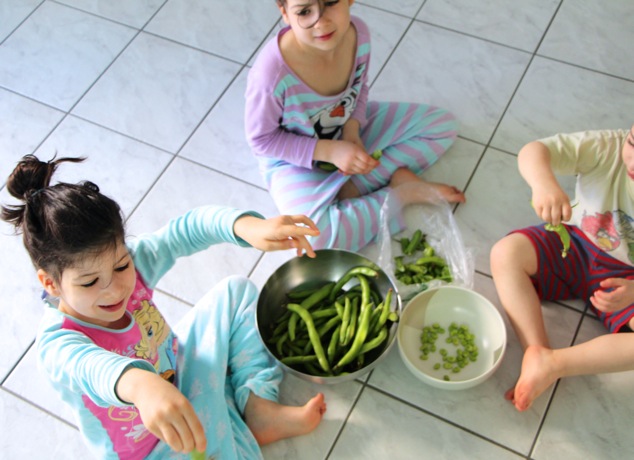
(442, 419)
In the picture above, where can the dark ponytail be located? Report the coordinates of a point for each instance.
(63, 223)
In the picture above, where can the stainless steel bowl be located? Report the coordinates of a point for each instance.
(306, 273)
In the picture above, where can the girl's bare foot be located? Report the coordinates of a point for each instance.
(537, 374)
(270, 421)
(427, 192)
(348, 190)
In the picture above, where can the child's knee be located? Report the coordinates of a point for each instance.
(507, 252)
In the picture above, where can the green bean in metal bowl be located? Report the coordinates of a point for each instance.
(329, 319)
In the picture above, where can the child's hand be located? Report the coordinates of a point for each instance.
(615, 294)
(351, 158)
(277, 233)
(164, 410)
(552, 205)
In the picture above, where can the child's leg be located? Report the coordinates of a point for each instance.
(255, 378)
(513, 261)
(411, 136)
(346, 224)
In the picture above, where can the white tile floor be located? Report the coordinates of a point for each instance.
(152, 92)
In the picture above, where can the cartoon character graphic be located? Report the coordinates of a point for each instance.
(602, 229)
(152, 346)
(609, 230)
(329, 121)
(626, 229)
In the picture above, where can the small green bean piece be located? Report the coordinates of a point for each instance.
(312, 334)
(413, 242)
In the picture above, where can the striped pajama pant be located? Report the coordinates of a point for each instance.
(410, 135)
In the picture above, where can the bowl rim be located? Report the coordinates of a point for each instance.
(452, 384)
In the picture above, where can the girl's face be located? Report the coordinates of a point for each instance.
(97, 290)
(327, 32)
(627, 155)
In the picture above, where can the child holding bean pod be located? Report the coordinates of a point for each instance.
(139, 389)
(590, 257)
(307, 105)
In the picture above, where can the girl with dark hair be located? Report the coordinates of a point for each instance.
(138, 388)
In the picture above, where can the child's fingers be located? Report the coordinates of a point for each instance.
(170, 436)
(302, 245)
(198, 433)
(307, 222)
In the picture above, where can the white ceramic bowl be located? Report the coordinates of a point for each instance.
(444, 305)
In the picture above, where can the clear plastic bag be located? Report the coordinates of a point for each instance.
(435, 219)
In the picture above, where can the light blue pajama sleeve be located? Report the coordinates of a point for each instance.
(155, 253)
(73, 362)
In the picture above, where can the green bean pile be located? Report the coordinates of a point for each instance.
(466, 350)
(419, 262)
(329, 331)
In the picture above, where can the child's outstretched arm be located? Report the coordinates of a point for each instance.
(164, 410)
(550, 201)
(277, 233)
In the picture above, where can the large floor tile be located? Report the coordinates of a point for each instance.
(500, 21)
(590, 415)
(220, 141)
(186, 185)
(31, 433)
(157, 91)
(404, 7)
(477, 93)
(13, 12)
(35, 59)
(217, 26)
(386, 31)
(21, 294)
(105, 152)
(585, 33)
(380, 427)
(482, 409)
(555, 97)
(457, 165)
(25, 124)
(134, 14)
(30, 383)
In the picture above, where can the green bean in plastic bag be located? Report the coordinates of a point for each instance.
(437, 222)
